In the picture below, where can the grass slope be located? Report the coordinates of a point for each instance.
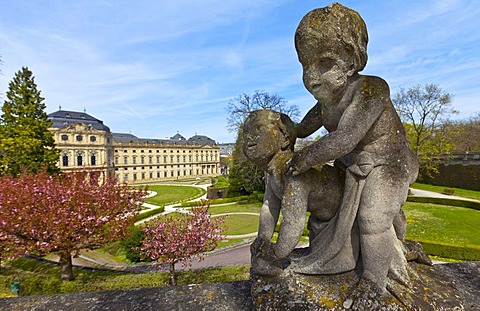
(167, 194)
(445, 231)
(42, 278)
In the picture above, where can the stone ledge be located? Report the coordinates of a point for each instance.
(443, 286)
(439, 287)
(216, 297)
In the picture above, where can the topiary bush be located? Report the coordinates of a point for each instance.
(446, 201)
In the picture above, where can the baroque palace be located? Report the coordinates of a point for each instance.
(86, 143)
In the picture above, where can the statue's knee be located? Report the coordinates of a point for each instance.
(374, 224)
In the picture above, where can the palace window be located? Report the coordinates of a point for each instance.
(79, 137)
(65, 160)
(116, 160)
(93, 139)
(64, 137)
(125, 160)
(93, 160)
(79, 159)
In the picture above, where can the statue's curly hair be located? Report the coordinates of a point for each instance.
(335, 27)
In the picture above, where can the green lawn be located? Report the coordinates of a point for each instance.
(240, 224)
(471, 194)
(233, 208)
(446, 232)
(442, 224)
(170, 194)
(41, 278)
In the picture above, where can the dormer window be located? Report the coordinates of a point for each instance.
(67, 115)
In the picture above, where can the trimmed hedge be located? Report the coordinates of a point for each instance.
(468, 253)
(150, 213)
(446, 201)
(245, 199)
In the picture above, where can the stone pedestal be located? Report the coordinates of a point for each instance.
(441, 287)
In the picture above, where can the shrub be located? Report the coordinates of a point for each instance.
(150, 213)
(468, 253)
(446, 201)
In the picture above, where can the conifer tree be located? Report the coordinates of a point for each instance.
(25, 142)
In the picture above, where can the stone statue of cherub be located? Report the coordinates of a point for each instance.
(356, 205)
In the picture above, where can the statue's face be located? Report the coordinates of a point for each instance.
(325, 68)
(325, 73)
(261, 141)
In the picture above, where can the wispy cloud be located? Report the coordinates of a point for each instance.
(154, 68)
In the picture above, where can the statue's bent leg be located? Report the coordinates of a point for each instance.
(376, 214)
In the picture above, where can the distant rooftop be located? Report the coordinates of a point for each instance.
(63, 118)
(175, 140)
(201, 140)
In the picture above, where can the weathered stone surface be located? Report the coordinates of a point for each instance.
(441, 287)
(216, 297)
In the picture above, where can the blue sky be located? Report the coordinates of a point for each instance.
(153, 68)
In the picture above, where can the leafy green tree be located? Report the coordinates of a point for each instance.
(468, 138)
(25, 142)
(425, 111)
(244, 176)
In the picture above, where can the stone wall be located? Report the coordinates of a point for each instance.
(455, 175)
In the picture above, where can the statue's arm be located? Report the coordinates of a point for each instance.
(356, 121)
(311, 122)
(269, 213)
(294, 211)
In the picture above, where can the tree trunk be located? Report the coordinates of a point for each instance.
(66, 266)
(173, 276)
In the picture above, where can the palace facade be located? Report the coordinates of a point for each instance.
(86, 143)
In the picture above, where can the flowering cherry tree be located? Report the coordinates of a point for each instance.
(41, 213)
(177, 239)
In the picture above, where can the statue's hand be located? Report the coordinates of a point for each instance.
(264, 261)
(297, 165)
(263, 248)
